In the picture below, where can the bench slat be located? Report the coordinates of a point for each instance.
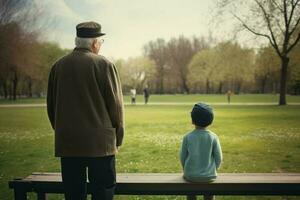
(174, 184)
(169, 178)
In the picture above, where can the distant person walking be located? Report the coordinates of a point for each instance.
(133, 96)
(200, 153)
(229, 93)
(146, 94)
(85, 108)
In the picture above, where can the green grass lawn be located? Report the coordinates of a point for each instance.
(253, 138)
(180, 98)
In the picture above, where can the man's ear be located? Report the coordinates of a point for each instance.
(94, 43)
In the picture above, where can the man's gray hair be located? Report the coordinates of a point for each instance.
(84, 42)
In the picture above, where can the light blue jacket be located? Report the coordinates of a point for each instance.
(200, 155)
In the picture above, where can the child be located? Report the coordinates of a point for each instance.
(201, 153)
(133, 96)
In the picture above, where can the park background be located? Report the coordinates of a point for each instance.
(180, 69)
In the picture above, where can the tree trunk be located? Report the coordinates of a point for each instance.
(161, 85)
(185, 87)
(160, 81)
(275, 87)
(220, 87)
(238, 87)
(5, 89)
(15, 85)
(263, 85)
(297, 88)
(29, 87)
(283, 78)
(207, 86)
(10, 92)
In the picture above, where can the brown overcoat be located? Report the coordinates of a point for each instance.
(85, 105)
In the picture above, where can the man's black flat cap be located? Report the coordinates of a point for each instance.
(88, 30)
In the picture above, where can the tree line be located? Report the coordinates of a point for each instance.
(200, 65)
(178, 65)
(276, 21)
(25, 59)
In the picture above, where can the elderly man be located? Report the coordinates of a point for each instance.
(85, 108)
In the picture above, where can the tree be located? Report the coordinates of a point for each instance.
(203, 68)
(19, 22)
(12, 58)
(156, 50)
(172, 59)
(136, 72)
(36, 74)
(238, 64)
(294, 73)
(267, 68)
(276, 20)
(180, 52)
(227, 63)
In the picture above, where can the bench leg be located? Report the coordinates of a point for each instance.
(20, 194)
(41, 196)
(191, 197)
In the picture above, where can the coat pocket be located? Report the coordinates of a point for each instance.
(110, 139)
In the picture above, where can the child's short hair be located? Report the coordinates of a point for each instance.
(202, 115)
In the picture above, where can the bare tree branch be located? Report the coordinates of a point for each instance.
(285, 14)
(294, 44)
(267, 18)
(279, 26)
(296, 25)
(259, 34)
(292, 12)
(277, 6)
(9, 10)
(271, 17)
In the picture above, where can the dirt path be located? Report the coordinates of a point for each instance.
(159, 104)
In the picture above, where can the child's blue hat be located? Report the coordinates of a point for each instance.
(202, 115)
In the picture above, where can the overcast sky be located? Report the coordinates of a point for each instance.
(129, 24)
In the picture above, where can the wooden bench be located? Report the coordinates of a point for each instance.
(171, 184)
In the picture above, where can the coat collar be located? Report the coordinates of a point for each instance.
(85, 50)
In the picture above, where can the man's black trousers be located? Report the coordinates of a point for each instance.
(101, 174)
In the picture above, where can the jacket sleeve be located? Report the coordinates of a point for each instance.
(51, 98)
(217, 152)
(183, 152)
(114, 101)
